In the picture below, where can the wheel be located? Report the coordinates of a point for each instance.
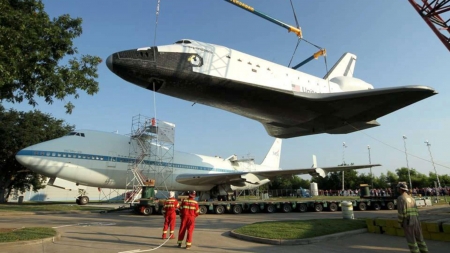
(83, 200)
(254, 209)
(270, 208)
(362, 206)
(287, 208)
(236, 209)
(146, 210)
(376, 206)
(390, 206)
(302, 208)
(318, 208)
(203, 209)
(333, 207)
(219, 209)
(77, 201)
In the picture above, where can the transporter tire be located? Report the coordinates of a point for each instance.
(333, 207)
(254, 208)
(270, 208)
(390, 206)
(318, 207)
(362, 206)
(203, 209)
(302, 208)
(287, 208)
(219, 209)
(376, 206)
(146, 210)
(236, 209)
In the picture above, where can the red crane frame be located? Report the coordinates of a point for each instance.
(430, 11)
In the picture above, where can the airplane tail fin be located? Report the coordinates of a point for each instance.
(344, 67)
(273, 156)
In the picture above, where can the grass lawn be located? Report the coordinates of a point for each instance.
(25, 234)
(47, 206)
(300, 229)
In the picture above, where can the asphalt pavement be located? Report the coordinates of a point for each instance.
(127, 232)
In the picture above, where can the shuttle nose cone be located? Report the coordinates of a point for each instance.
(109, 62)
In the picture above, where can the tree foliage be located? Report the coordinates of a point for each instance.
(352, 180)
(31, 49)
(19, 130)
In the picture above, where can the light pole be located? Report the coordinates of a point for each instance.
(343, 163)
(432, 161)
(370, 162)
(407, 165)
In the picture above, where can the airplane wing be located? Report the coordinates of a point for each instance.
(346, 112)
(241, 177)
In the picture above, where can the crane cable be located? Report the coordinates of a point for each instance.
(156, 24)
(154, 88)
(154, 44)
(298, 26)
(300, 39)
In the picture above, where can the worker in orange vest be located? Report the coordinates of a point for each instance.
(188, 211)
(170, 215)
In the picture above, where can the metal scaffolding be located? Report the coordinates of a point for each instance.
(152, 152)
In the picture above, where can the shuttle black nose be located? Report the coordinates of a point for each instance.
(109, 62)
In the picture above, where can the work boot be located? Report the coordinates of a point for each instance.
(179, 245)
(164, 236)
(188, 246)
(172, 236)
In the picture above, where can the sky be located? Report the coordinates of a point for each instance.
(393, 44)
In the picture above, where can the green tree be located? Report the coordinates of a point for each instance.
(31, 49)
(19, 130)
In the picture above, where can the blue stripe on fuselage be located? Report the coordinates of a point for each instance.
(128, 160)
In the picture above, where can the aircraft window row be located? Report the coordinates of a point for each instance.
(54, 154)
(113, 159)
(75, 133)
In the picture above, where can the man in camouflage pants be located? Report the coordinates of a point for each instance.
(408, 217)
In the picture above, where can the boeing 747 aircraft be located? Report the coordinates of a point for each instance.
(101, 159)
(287, 102)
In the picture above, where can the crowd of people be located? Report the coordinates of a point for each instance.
(380, 192)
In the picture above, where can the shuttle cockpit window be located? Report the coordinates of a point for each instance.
(75, 133)
(183, 42)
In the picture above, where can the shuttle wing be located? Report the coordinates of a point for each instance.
(242, 177)
(346, 112)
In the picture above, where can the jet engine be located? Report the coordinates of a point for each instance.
(318, 172)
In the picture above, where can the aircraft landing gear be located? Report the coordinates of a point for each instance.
(82, 199)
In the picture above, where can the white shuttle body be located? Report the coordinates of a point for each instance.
(288, 102)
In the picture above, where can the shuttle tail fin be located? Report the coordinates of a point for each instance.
(345, 66)
(273, 156)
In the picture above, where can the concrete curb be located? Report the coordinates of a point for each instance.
(31, 242)
(297, 241)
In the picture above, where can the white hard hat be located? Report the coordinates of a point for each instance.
(403, 186)
(171, 194)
